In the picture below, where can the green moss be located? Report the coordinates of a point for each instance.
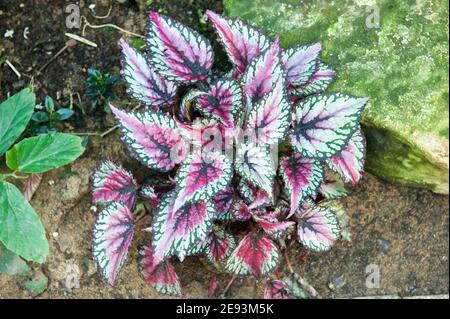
(401, 64)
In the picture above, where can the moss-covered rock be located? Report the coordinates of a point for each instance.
(400, 61)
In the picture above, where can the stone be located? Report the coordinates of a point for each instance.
(396, 53)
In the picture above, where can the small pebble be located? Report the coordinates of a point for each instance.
(55, 234)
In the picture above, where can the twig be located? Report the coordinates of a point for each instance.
(229, 285)
(81, 39)
(107, 25)
(288, 263)
(53, 58)
(102, 17)
(13, 68)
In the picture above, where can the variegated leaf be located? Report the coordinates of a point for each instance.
(112, 235)
(151, 137)
(111, 182)
(323, 124)
(201, 177)
(241, 42)
(144, 84)
(261, 199)
(272, 226)
(213, 287)
(255, 164)
(302, 177)
(240, 211)
(262, 74)
(318, 228)
(247, 191)
(277, 289)
(269, 119)
(148, 192)
(318, 82)
(220, 245)
(161, 276)
(349, 163)
(178, 53)
(255, 255)
(332, 187)
(176, 232)
(300, 62)
(224, 200)
(222, 101)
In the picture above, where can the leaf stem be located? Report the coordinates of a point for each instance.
(288, 262)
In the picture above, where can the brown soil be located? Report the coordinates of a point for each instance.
(403, 231)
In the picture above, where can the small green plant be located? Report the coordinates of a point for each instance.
(48, 119)
(99, 87)
(21, 231)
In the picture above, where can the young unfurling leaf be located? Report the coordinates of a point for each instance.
(255, 255)
(302, 177)
(318, 228)
(271, 225)
(224, 200)
(151, 137)
(349, 163)
(144, 84)
(177, 52)
(241, 42)
(112, 236)
(175, 232)
(201, 177)
(111, 182)
(161, 276)
(323, 124)
(222, 101)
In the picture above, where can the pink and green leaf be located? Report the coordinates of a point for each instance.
(302, 178)
(176, 232)
(318, 82)
(219, 246)
(255, 255)
(272, 226)
(277, 289)
(148, 192)
(112, 235)
(177, 52)
(31, 185)
(222, 101)
(300, 62)
(161, 276)
(240, 211)
(255, 164)
(111, 182)
(323, 124)
(144, 84)
(332, 187)
(349, 163)
(151, 137)
(242, 42)
(269, 119)
(201, 176)
(318, 228)
(262, 74)
(224, 200)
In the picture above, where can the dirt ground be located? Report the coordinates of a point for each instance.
(401, 232)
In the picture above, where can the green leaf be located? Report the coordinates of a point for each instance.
(15, 113)
(64, 114)
(40, 117)
(21, 231)
(11, 264)
(37, 285)
(44, 152)
(49, 104)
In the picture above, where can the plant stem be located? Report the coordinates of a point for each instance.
(288, 263)
(228, 286)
